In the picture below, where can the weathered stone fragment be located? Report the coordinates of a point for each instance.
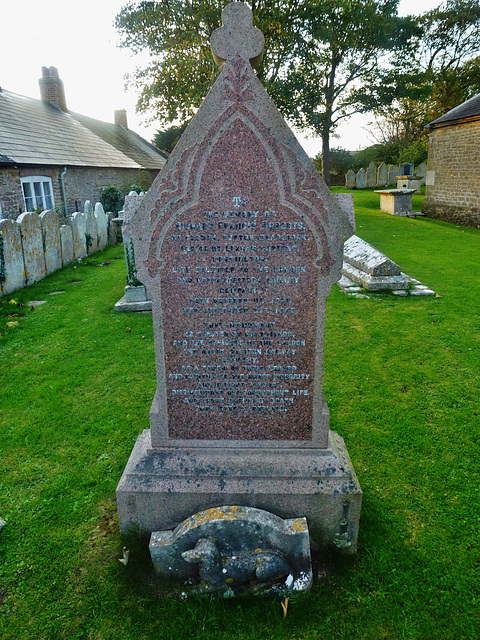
(234, 550)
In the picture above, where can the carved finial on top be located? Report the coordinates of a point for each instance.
(238, 35)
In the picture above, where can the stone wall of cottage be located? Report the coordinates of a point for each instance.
(453, 174)
(81, 184)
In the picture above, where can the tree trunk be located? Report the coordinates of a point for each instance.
(326, 156)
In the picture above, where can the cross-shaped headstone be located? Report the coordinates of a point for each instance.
(238, 35)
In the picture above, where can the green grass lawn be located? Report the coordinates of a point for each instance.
(402, 380)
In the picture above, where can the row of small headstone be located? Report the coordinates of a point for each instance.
(33, 246)
(381, 176)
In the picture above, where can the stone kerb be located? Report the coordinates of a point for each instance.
(371, 176)
(78, 224)
(361, 179)
(32, 244)
(12, 267)
(91, 228)
(51, 240)
(102, 226)
(66, 242)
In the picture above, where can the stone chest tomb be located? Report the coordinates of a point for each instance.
(239, 242)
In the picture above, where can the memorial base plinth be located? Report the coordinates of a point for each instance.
(160, 487)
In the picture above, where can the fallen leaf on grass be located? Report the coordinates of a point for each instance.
(124, 560)
(13, 323)
(284, 604)
(127, 330)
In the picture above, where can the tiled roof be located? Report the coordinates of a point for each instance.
(36, 132)
(468, 109)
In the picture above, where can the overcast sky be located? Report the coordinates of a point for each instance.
(80, 40)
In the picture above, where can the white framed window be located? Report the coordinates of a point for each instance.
(37, 193)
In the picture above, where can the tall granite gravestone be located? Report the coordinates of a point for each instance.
(239, 242)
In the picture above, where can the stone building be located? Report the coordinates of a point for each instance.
(453, 176)
(52, 158)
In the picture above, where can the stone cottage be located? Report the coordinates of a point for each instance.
(52, 158)
(453, 175)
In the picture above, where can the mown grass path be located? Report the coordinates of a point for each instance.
(402, 380)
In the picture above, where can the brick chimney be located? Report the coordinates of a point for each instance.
(51, 88)
(120, 118)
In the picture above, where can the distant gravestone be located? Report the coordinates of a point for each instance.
(406, 169)
(239, 242)
(135, 297)
(350, 179)
(392, 175)
(371, 177)
(382, 175)
(32, 244)
(361, 179)
(102, 226)
(66, 243)
(78, 225)
(421, 172)
(13, 273)
(91, 228)
(51, 241)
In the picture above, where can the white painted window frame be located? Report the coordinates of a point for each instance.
(39, 195)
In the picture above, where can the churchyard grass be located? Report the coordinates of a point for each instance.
(402, 380)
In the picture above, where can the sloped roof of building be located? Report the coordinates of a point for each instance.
(37, 132)
(468, 109)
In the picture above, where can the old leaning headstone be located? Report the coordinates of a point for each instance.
(32, 244)
(350, 179)
(91, 228)
(12, 266)
(66, 242)
(51, 240)
(361, 179)
(371, 177)
(382, 175)
(239, 243)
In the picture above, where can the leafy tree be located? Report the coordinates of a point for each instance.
(342, 44)
(315, 52)
(176, 33)
(444, 72)
(341, 161)
(168, 138)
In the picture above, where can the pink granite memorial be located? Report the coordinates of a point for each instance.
(239, 242)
